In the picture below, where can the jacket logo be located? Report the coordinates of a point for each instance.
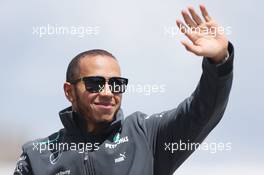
(116, 138)
(121, 157)
(64, 172)
(54, 157)
(117, 141)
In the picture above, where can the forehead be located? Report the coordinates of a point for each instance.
(99, 66)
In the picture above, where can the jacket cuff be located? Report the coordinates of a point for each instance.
(223, 69)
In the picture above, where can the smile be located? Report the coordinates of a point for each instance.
(104, 105)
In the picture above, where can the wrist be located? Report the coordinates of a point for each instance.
(220, 58)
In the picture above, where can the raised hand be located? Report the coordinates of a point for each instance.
(207, 40)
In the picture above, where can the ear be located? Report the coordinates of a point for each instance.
(68, 91)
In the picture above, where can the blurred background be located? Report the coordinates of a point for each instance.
(144, 38)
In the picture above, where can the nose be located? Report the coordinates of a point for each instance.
(106, 92)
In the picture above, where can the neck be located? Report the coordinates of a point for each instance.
(94, 128)
(88, 126)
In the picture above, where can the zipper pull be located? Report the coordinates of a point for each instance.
(86, 155)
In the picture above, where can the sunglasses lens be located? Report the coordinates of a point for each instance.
(118, 84)
(94, 84)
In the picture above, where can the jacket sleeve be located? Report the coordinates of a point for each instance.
(193, 119)
(23, 165)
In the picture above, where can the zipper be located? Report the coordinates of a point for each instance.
(88, 164)
(85, 161)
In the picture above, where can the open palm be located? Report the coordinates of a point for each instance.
(206, 37)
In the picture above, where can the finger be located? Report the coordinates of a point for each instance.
(188, 19)
(195, 16)
(205, 13)
(192, 48)
(184, 29)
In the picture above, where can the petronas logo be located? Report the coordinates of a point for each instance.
(116, 138)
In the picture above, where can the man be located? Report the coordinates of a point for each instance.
(96, 139)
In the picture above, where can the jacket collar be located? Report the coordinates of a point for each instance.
(69, 120)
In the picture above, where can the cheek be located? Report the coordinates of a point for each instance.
(89, 98)
(118, 99)
(85, 98)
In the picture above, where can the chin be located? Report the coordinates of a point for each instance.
(104, 115)
(105, 118)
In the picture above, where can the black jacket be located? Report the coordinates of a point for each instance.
(138, 144)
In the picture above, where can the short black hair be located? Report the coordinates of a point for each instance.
(73, 69)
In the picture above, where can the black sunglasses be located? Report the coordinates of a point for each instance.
(95, 84)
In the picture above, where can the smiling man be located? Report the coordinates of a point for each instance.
(88, 78)
(98, 139)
